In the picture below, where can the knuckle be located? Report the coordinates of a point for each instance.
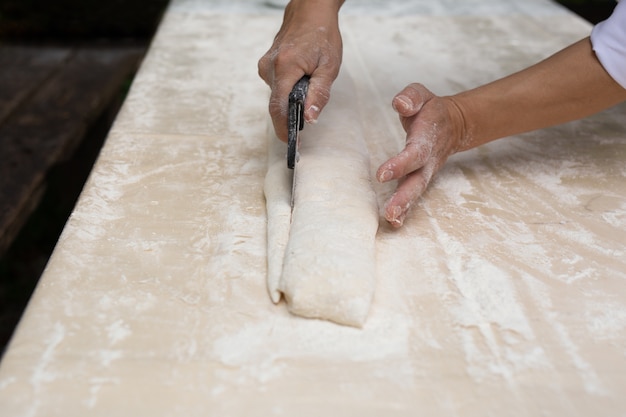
(284, 57)
(262, 69)
(417, 86)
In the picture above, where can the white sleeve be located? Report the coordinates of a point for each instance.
(609, 43)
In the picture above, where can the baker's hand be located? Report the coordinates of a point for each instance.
(308, 43)
(434, 130)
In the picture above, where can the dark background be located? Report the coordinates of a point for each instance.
(135, 20)
(78, 21)
(89, 22)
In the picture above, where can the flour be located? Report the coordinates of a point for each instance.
(540, 294)
(606, 320)
(262, 348)
(455, 185)
(491, 321)
(107, 356)
(118, 331)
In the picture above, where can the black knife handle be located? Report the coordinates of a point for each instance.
(295, 120)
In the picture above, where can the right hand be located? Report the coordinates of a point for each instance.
(308, 43)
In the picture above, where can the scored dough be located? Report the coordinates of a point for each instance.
(329, 264)
(277, 189)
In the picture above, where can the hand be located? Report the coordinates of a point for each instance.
(308, 43)
(435, 130)
(569, 85)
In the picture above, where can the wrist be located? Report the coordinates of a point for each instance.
(314, 7)
(307, 15)
(314, 11)
(333, 5)
(462, 130)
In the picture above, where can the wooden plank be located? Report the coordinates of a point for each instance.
(45, 127)
(23, 70)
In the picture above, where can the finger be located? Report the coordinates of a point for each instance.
(264, 68)
(411, 99)
(416, 153)
(318, 94)
(408, 191)
(280, 68)
(279, 102)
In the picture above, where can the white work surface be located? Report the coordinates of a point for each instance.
(503, 295)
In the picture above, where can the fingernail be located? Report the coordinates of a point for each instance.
(402, 100)
(313, 113)
(397, 222)
(385, 176)
(396, 219)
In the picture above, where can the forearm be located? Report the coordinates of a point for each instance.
(569, 85)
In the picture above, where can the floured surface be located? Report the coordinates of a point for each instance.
(503, 294)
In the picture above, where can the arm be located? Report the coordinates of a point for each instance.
(308, 42)
(569, 85)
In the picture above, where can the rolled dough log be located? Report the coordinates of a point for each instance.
(277, 189)
(329, 265)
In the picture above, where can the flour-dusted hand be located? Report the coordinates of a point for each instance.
(434, 130)
(569, 85)
(308, 43)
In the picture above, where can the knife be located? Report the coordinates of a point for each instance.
(295, 124)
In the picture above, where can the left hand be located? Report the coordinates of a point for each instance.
(435, 129)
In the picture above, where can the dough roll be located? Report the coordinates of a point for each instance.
(329, 267)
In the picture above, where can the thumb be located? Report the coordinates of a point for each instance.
(411, 99)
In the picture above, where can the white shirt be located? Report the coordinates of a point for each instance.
(609, 43)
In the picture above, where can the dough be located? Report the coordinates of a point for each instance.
(329, 265)
(277, 189)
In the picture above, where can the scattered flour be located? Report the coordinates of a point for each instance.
(259, 347)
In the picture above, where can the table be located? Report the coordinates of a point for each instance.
(502, 295)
